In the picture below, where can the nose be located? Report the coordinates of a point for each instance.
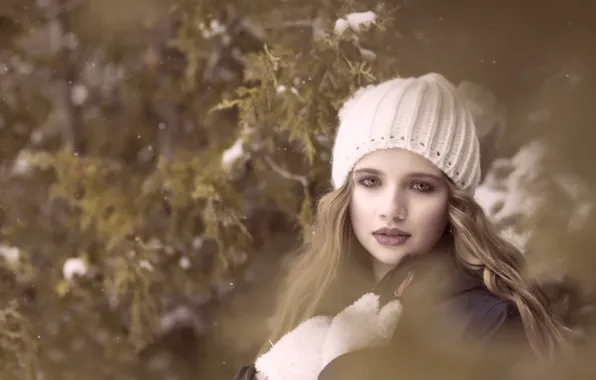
(393, 206)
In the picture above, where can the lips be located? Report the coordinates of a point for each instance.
(391, 236)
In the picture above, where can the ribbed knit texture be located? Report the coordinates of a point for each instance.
(424, 115)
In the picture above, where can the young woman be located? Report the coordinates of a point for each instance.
(405, 166)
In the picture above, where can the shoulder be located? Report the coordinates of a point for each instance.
(487, 315)
(477, 312)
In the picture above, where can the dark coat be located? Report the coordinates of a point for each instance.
(462, 311)
(464, 308)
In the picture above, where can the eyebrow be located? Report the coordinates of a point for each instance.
(412, 174)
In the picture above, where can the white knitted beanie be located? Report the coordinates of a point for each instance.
(425, 115)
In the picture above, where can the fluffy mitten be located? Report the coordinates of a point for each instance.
(361, 325)
(297, 355)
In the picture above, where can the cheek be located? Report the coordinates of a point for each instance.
(359, 213)
(432, 217)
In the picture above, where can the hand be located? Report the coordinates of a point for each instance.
(297, 355)
(361, 325)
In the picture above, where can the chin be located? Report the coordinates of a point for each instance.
(389, 258)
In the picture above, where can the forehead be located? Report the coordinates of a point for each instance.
(397, 161)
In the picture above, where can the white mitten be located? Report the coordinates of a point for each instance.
(361, 325)
(297, 355)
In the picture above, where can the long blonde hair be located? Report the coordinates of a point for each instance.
(316, 265)
(329, 246)
(479, 248)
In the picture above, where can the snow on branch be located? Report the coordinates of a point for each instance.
(514, 188)
(74, 266)
(504, 193)
(356, 21)
(231, 155)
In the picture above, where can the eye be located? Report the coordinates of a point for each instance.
(421, 187)
(369, 182)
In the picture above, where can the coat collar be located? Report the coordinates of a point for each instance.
(443, 268)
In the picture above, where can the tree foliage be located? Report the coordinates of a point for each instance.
(147, 144)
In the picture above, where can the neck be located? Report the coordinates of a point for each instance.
(381, 269)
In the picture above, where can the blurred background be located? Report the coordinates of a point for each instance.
(160, 157)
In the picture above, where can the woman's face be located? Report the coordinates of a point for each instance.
(398, 206)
